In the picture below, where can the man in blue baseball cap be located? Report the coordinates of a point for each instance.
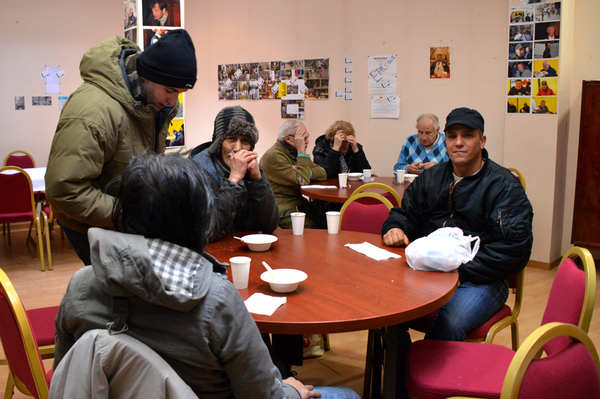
(482, 198)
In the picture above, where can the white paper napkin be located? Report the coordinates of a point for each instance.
(372, 251)
(264, 304)
(317, 186)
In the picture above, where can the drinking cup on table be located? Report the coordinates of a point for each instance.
(240, 271)
(400, 176)
(298, 223)
(333, 222)
(367, 175)
(343, 179)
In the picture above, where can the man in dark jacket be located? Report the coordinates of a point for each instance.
(244, 197)
(483, 199)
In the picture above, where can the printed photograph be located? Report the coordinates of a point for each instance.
(439, 62)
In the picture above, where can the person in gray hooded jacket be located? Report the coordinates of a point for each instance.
(152, 281)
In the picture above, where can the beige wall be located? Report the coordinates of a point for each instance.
(35, 35)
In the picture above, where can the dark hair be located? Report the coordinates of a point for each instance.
(165, 197)
(162, 4)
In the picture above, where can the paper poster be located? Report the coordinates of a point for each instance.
(382, 75)
(61, 102)
(292, 109)
(439, 62)
(533, 58)
(385, 107)
(19, 103)
(51, 74)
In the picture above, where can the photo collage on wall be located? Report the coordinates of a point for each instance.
(292, 82)
(144, 27)
(533, 55)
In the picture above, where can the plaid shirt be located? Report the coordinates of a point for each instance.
(176, 266)
(413, 151)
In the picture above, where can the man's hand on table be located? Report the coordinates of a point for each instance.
(395, 238)
(305, 390)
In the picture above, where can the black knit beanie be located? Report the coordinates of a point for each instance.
(171, 61)
(225, 126)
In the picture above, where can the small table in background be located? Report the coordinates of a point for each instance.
(340, 195)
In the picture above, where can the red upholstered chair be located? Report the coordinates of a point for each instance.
(390, 194)
(27, 371)
(441, 369)
(21, 159)
(356, 216)
(17, 204)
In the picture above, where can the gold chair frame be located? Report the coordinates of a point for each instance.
(380, 186)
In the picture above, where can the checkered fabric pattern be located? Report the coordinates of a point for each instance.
(176, 266)
(413, 151)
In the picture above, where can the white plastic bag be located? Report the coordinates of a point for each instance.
(443, 250)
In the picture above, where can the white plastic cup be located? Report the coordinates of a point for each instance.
(333, 222)
(298, 223)
(343, 179)
(240, 271)
(400, 175)
(367, 175)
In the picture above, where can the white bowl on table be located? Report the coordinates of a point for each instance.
(259, 242)
(284, 280)
(409, 177)
(354, 176)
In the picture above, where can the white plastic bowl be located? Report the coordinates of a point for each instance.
(354, 176)
(259, 242)
(284, 280)
(409, 177)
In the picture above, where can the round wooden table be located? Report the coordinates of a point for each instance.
(340, 195)
(345, 290)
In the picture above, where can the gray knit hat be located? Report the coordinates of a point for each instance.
(233, 121)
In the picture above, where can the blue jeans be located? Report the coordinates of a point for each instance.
(337, 393)
(470, 307)
(80, 243)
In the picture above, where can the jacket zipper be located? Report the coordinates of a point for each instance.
(500, 221)
(452, 185)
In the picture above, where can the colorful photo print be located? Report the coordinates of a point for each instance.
(131, 34)
(547, 49)
(519, 69)
(161, 12)
(545, 87)
(544, 105)
(519, 15)
(523, 105)
(521, 33)
(520, 50)
(511, 105)
(439, 62)
(545, 12)
(292, 109)
(175, 138)
(545, 68)
(519, 87)
(129, 14)
(180, 112)
(151, 35)
(547, 31)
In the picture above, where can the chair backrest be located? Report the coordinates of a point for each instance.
(572, 294)
(16, 193)
(390, 194)
(519, 176)
(19, 343)
(21, 159)
(573, 371)
(115, 366)
(365, 218)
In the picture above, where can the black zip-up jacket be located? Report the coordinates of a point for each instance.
(329, 159)
(491, 204)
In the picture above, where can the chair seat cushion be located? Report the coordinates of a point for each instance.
(481, 331)
(42, 324)
(16, 217)
(439, 369)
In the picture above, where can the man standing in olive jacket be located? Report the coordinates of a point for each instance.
(483, 199)
(123, 108)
